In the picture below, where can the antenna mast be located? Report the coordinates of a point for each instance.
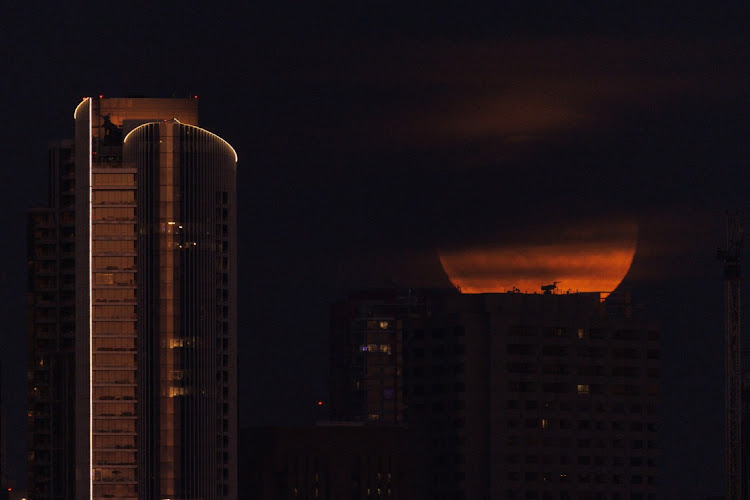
(731, 258)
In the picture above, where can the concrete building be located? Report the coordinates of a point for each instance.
(366, 378)
(51, 332)
(540, 396)
(154, 304)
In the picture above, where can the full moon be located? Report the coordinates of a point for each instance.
(592, 258)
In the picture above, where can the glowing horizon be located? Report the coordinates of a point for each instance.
(592, 266)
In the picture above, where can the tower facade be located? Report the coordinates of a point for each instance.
(534, 396)
(366, 377)
(186, 310)
(51, 332)
(154, 298)
(513, 395)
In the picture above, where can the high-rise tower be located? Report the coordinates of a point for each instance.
(507, 395)
(366, 376)
(51, 332)
(155, 303)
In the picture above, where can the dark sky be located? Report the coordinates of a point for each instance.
(368, 136)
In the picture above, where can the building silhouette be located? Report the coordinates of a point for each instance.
(331, 460)
(519, 396)
(51, 332)
(146, 322)
(745, 429)
(366, 378)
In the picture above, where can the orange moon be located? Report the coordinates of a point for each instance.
(594, 258)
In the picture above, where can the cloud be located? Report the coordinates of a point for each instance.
(510, 91)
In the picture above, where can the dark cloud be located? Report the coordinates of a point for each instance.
(434, 141)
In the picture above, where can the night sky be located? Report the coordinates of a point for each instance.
(370, 136)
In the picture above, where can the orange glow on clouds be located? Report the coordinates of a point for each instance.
(597, 265)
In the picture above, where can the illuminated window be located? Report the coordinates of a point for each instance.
(384, 325)
(581, 333)
(177, 343)
(178, 391)
(583, 388)
(545, 423)
(381, 348)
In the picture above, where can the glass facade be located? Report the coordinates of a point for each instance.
(111, 291)
(186, 200)
(155, 299)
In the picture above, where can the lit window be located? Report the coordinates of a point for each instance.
(581, 333)
(176, 343)
(382, 348)
(583, 388)
(178, 391)
(383, 325)
(545, 423)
